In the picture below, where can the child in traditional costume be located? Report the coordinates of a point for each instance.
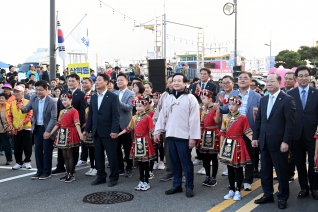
(158, 146)
(209, 145)
(234, 152)
(89, 140)
(69, 135)
(142, 149)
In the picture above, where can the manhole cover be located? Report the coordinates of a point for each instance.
(109, 197)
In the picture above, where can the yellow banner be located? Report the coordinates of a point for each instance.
(81, 69)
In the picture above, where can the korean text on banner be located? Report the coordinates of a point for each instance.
(81, 69)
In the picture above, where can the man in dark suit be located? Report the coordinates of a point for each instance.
(79, 104)
(196, 87)
(43, 121)
(303, 142)
(103, 122)
(45, 75)
(114, 76)
(273, 128)
(125, 115)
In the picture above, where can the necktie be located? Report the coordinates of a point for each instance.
(270, 105)
(203, 86)
(303, 98)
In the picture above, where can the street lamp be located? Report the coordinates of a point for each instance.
(270, 52)
(229, 9)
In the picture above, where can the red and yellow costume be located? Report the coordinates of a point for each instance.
(208, 125)
(143, 126)
(68, 119)
(233, 127)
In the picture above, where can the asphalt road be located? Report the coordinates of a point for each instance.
(19, 193)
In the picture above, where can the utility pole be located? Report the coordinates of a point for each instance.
(52, 40)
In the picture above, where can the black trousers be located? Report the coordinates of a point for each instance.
(249, 169)
(235, 175)
(23, 143)
(84, 153)
(110, 145)
(125, 141)
(301, 148)
(144, 171)
(280, 161)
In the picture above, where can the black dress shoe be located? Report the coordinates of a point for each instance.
(264, 200)
(58, 170)
(189, 193)
(112, 183)
(174, 190)
(303, 193)
(314, 194)
(97, 182)
(282, 204)
(36, 176)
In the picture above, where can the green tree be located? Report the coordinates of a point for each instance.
(288, 59)
(309, 53)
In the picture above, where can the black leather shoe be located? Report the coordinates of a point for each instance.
(58, 170)
(189, 193)
(314, 194)
(112, 183)
(97, 182)
(303, 193)
(36, 176)
(174, 190)
(264, 200)
(282, 204)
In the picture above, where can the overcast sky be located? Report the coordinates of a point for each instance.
(25, 26)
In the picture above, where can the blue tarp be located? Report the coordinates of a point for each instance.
(4, 65)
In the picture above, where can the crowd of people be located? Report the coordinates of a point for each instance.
(119, 113)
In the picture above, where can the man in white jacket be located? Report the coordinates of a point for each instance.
(180, 118)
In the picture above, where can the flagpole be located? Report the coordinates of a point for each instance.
(52, 40)
(75, 27)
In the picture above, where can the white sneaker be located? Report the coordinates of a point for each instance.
(91, 172)
(81, 163)
(16, 166)
(247, 187)
(88, 173)
(202, 171)
(151, 176)
(197, 162)
(237, 196)
(225, 173)
(161, 165)
(145, 186)
(138, 187)
(27, 165)
(230, 195)
(155, 165)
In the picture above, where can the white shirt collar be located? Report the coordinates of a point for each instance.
(301, 89)
(247, 92)
(123, 91)
(102, 94)
(42, 99)
(275, 94)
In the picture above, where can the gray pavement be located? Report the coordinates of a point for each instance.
(24, 194)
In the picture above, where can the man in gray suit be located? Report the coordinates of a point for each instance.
(43, 121)
(125, 115)
(250, 101)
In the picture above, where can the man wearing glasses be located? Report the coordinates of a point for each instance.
(253, 85)
(303, 142)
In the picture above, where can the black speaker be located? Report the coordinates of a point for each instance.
(157, 70)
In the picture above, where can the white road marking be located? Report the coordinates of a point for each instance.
(17, 177)
(24, 169)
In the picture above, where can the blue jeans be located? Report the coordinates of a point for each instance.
(6, 146)
(43, 151)
(180, 157)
